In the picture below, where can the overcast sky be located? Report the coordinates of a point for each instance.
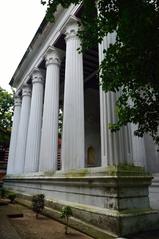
(19, 20)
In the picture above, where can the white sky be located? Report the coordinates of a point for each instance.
(19, 21)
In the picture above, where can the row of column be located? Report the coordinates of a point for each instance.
(34, 138)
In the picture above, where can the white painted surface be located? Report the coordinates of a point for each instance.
(23, 129)
(73, 121)
(14, 134)
(35, 121)
(49, 138)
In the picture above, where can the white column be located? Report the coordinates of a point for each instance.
(73, 121)
(115, 147)
(14, 134)
(49, 138)
(23, 129)
(35, 121)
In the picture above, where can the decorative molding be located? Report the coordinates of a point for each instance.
(38, 55)
(17, 101)
(71, 31)
(52, 56)
(26, 91)
(37, 76)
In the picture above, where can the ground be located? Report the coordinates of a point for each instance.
(28, 227)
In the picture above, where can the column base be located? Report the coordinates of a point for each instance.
(115, 203)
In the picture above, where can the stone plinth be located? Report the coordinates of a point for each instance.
(116, 202)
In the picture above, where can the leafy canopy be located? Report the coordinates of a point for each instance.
(6, 111)
(131, 64)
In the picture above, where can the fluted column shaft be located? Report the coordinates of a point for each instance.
(23, 129)
(116, 147)
(14, 134)
(35, 121)
(73, 121)
(49, 138)
(138, 148)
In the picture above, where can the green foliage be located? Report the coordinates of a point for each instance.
(66, 212)
(12, 196)
(3, 192)
(131, 63)
(6, 111)
(8, 194)
(38, 203)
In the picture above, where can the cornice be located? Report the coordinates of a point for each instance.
(37, 53)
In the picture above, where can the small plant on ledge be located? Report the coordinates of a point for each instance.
(3, 192)
(66, 212)
(38, 204)
(11, 196)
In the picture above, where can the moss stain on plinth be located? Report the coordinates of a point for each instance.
(77, 173)
(126, 170)
(49, 173)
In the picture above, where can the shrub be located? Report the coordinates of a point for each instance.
(3, 192)
(66, 212)
(38, 203)
(12, 197)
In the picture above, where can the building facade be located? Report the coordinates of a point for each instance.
(51, 78)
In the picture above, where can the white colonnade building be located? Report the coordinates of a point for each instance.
(53, 77)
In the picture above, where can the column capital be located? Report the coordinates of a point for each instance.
(37, 76)
(26, 91)
(71, 30)
(52, 56)
(17, 100)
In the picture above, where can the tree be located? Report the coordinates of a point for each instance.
(6, 112)
(131, 63)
